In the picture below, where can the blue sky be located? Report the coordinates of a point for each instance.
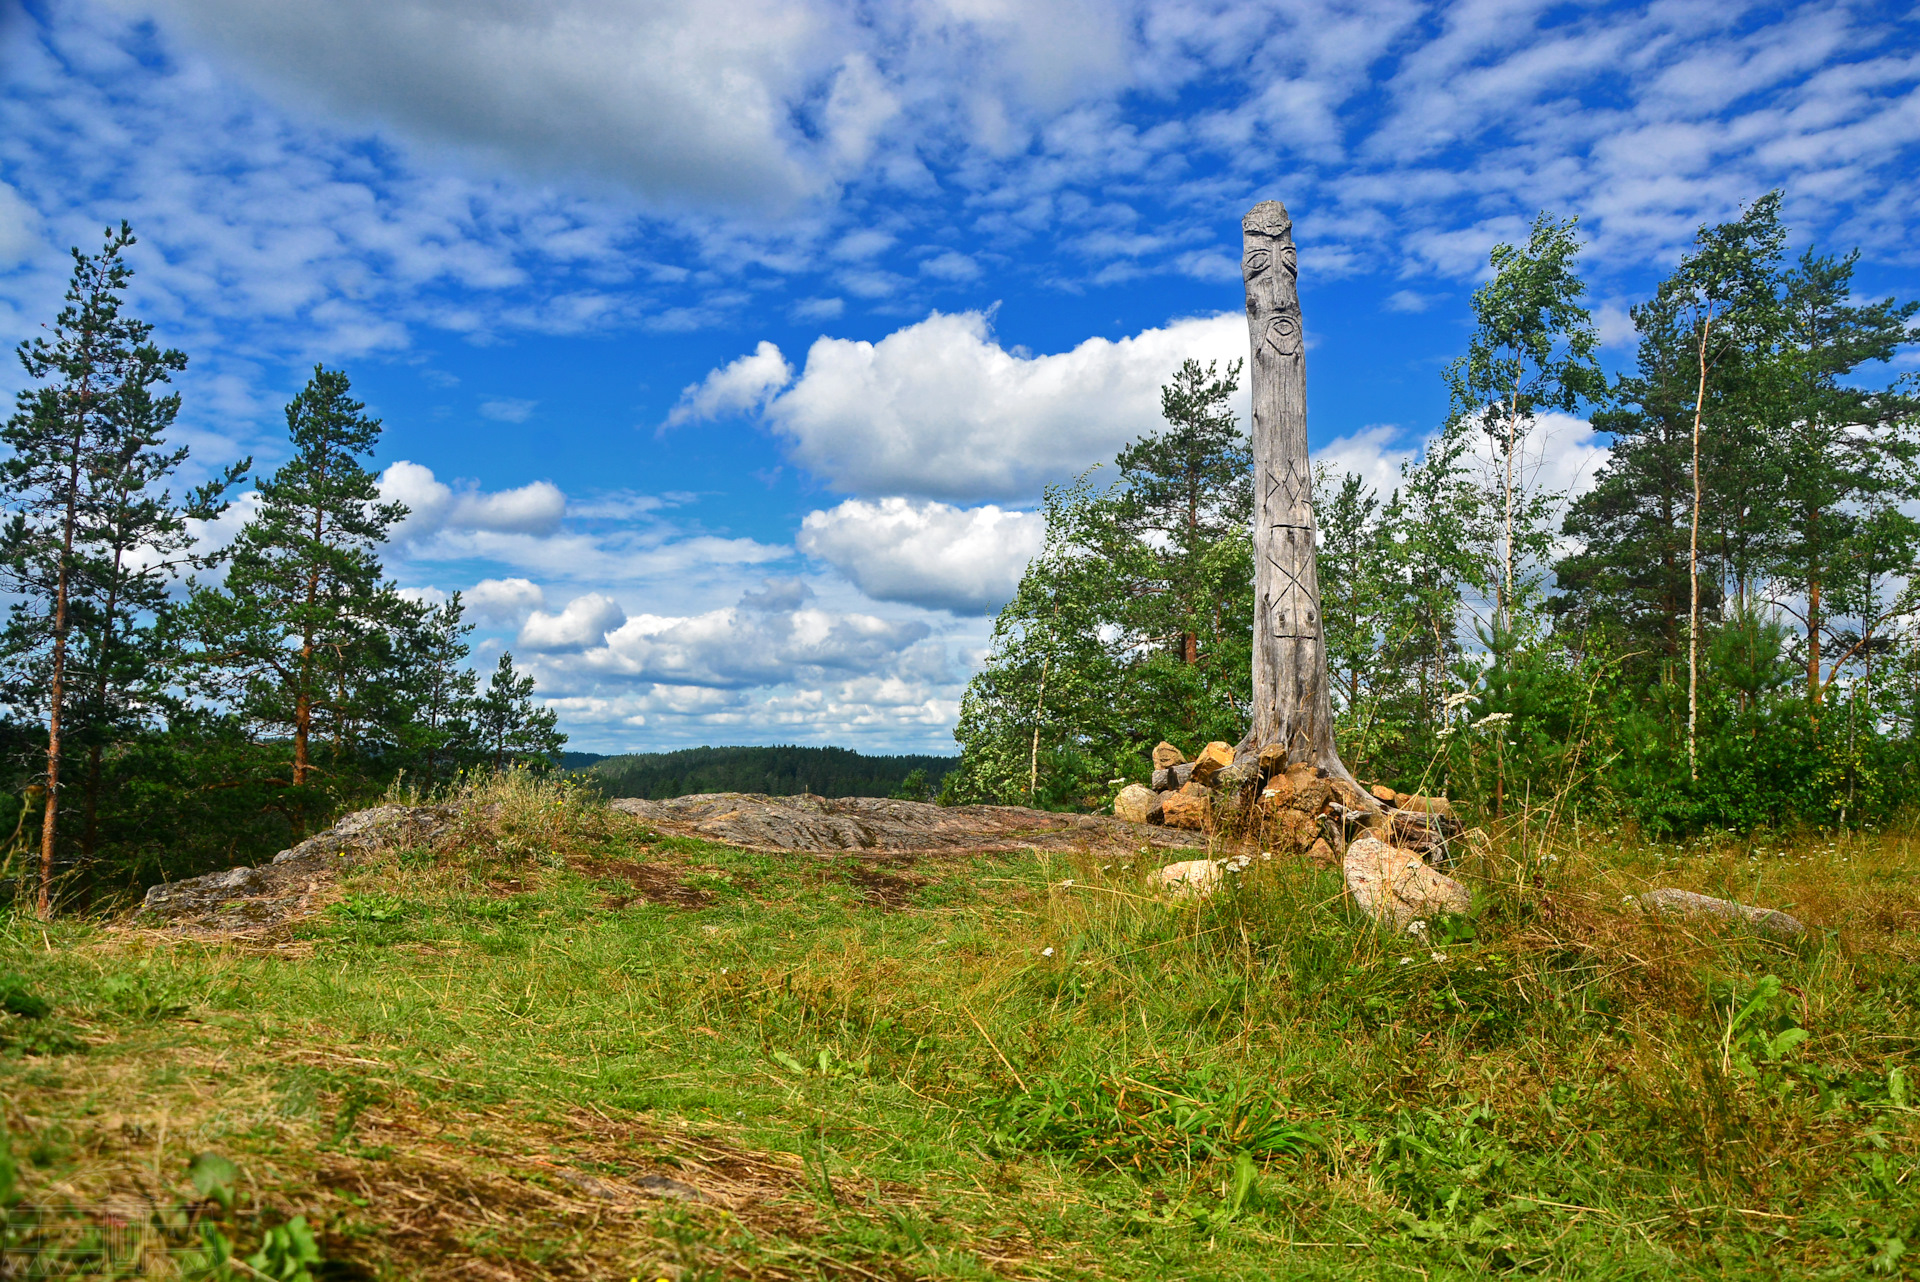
(724, 347)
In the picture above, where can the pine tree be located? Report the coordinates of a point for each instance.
(1840, 445)
(86, 448)
(1183, 493)
(304, 611)
(437, 688)
(511, 728)
(1628, 580)
(138, 542)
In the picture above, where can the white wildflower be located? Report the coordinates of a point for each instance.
(1406, 961)
(1066, 883)
(1439, 957)
(1046, 952)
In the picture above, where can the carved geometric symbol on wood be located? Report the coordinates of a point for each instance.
(1291, 608)
(1287, 492)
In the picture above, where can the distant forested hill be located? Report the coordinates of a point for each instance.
(778, 771)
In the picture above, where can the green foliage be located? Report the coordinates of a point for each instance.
(510, 726)
(213, 1177)
(94, 539)
(1442, 1165)
(287, 1252)
(298, 632)
(915, 787)
(15, 999)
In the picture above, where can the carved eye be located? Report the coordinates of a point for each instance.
(1283, 333)
(1289, 261)
(1257, 262)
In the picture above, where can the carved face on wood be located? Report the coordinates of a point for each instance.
(1272, 272)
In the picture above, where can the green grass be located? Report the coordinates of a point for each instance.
(469, 1064)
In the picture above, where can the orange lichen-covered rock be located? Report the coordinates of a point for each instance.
(1213, 758)
(1189, 808)
(1289, 832)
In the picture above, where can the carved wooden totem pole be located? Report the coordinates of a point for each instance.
(1291, 703)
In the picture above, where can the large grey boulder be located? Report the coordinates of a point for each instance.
(1674, 902)
(1396, 887)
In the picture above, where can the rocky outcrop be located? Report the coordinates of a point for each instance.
(1685, 903)
(292, 882)
(755, 822)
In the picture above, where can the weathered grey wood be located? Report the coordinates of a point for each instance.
(1291, 702)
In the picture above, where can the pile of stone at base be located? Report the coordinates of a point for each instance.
(1390, 845)
(1296, 809)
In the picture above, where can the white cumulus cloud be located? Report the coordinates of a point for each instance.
(967, 560)
(941, 410)
(744, 646)
(433, 506)
(585, 622)
(740, 387)
(504, 601)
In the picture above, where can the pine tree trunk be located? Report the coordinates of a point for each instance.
(1292, 704)
(90, 829)
(1813, 628)
(56, 686)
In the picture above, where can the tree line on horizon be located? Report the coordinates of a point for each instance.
(172, 706)
(780, 770)
(1722, 632)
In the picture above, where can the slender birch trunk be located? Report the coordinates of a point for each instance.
(1693, 570)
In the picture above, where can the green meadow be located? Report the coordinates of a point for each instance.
(560, 1045)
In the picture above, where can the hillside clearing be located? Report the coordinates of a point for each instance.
(560, 1045)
